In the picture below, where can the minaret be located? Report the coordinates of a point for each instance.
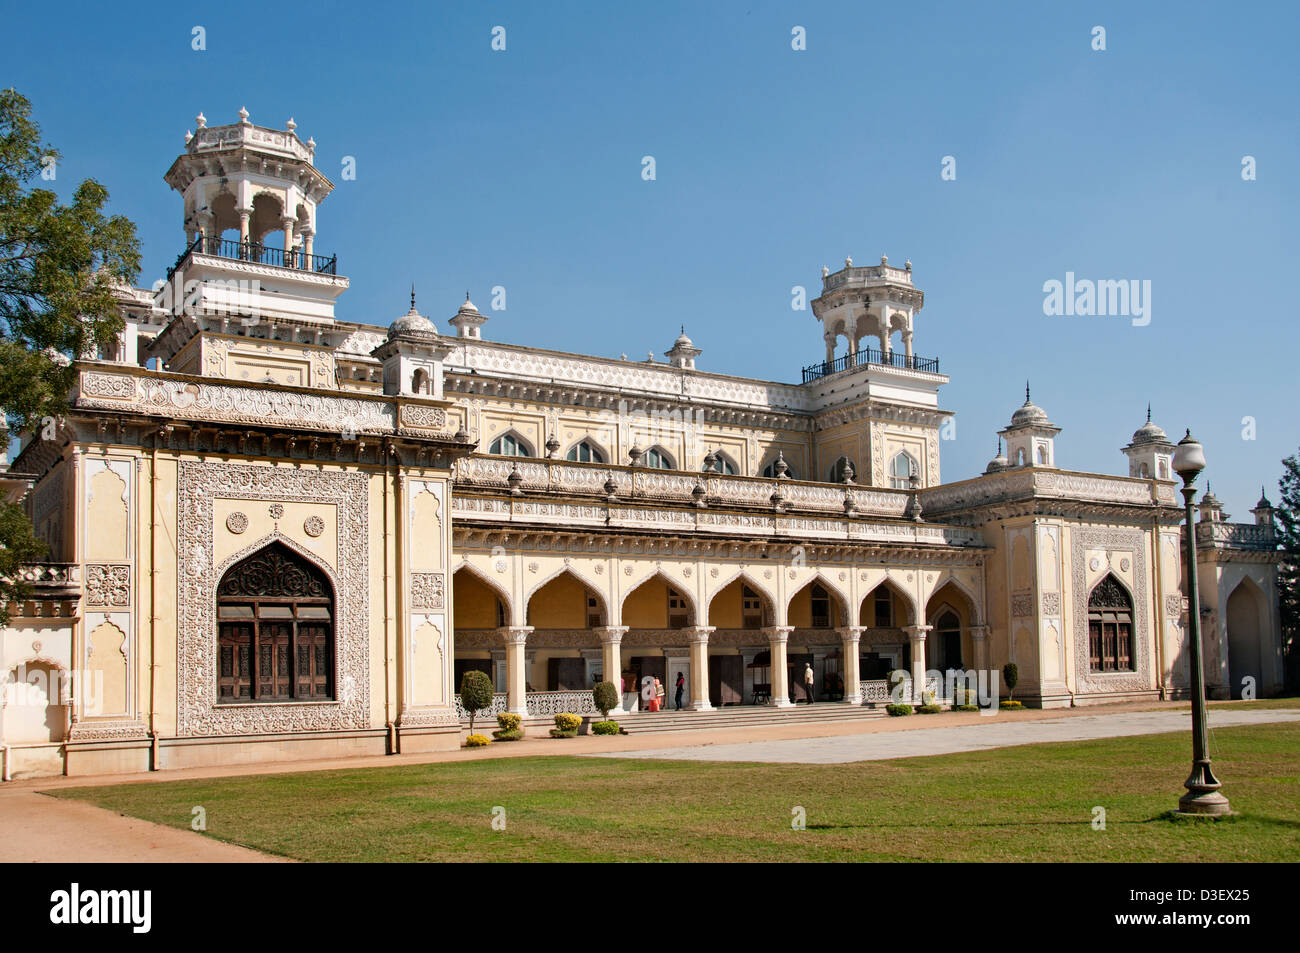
(1263, 511)
(468, 322)
(1150, 454)
(683, 353)
(1031, 437)
(868, 302)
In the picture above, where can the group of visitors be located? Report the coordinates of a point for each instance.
(655, 693)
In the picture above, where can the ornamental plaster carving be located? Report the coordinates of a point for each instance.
(1132, 542)
(237, 522)
(313, 526)
(222, 402)
(1022, 604)
(427, 590)
(429, 418)
(107, 731)
(1051, 603)
(198, 485)
(1173, 606)
(108, 585)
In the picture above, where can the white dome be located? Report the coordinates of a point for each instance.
(411, 323)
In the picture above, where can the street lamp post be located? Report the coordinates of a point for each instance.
(1202, 798)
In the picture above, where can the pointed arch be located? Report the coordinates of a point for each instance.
(587, 449)
(471, 570)
(949, 576)
(658, 458)
(724, 463)
(511, 443)
(1111, 637)
(867, 604)
(1246, 620)
(845, 616)
(693, 608)
(590, 585)
(747, 578)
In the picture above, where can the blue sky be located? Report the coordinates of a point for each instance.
(522, 168)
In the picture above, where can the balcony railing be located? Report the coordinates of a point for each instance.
(1236, 535)
(868, 355)
(259, 253)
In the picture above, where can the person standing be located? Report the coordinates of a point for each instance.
(660, 694)
(681, 689)
(808, 678)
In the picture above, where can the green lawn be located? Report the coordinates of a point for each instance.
(1024, 803)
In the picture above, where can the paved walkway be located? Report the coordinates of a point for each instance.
(947, 740)
(43, 829)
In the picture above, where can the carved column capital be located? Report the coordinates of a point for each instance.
(778, 633)
(917, 633)
(514, 634)
(979, 632)
(851, 633)
(700, 633)
(611, 634)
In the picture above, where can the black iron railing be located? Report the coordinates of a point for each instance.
(256, 252)
(868, 355)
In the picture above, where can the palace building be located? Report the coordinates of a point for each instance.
(278, 533)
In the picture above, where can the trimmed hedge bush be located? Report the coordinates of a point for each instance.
(475, 694)
(967, 708)
(568, 722)
(930, 709)
(564, 733)
(477, 741)
(509, 721)
(605, 697)
(1009, 704)
(508, 734)
(899, 710)
(604, 728)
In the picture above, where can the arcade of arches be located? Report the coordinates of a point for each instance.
(739, 644)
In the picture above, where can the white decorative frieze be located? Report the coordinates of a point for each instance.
(108, 585)
(427, 590)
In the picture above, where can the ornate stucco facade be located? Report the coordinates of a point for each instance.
(278, 534)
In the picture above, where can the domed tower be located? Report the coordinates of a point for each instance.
(863, 302)
(1263, 511)
(1150, 454)
(998, 463)
(683, 353)
(412, 356)
(468, 322)
(1030, 436)
(250, 197)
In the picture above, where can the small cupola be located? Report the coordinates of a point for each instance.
(412, 355)
(468, 321)
(683, 352)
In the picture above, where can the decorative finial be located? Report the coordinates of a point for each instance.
(884, 259)
(908, 264)
(466, 295)
(412, 295)
(1026, 391)
(683, 329)
(848, 262)
(825, 271)
(291, 125)
(201, 120)
(1148, 411)
(188, 136)
(243, 114)
(311, 144)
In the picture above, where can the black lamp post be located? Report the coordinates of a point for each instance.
(1202, 798)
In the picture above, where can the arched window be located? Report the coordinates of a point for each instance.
(585, 452)
(657, 457)
(1162, 468)
(510, 445)
(751, 608)
(275, 629)
(722, 464)
(1144, 471)
(420, 381)
(1110, 627)
(1020, 457)
(770, 471)
(839, 470)
(901, 469)
(821, 607)
(949, 640)
(1042, 457)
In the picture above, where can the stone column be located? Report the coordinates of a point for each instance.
(979, 637)
(851, 332)
(850, 636)
(245, 217)
(777, 637)
(516, 669)
(916, 636)
(611, 656)
(308, 237)
(699, 668)
(288, 222)
(907, 345)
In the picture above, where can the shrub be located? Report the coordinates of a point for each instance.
(1009, 704)
(605, 696)
(567, 722)
(477, 741)
(508, 734)
(964, 698)
(475, 694)
(930, 709)
(606, 727)
(899, 710)
(509, 721)
(1011, 675)
(967, 708)
(927, 698)
(564, 733)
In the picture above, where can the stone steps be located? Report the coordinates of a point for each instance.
(745, 717)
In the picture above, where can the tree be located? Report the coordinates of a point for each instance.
(60, 266)
(605, 697)
(1011, 675)
(475, 693)
(1287, 515)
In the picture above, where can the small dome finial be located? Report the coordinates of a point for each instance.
(1026, 390)
(412, 295)
(1148, 411)
(243, 114)
(201, 120)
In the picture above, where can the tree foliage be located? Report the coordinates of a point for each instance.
(1287, 516)
(60, 264)
(475, 693)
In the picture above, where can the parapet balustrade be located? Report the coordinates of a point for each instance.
(236, 250)
(626, 484)
(1237, 535)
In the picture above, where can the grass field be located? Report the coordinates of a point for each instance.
(1025, 803)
